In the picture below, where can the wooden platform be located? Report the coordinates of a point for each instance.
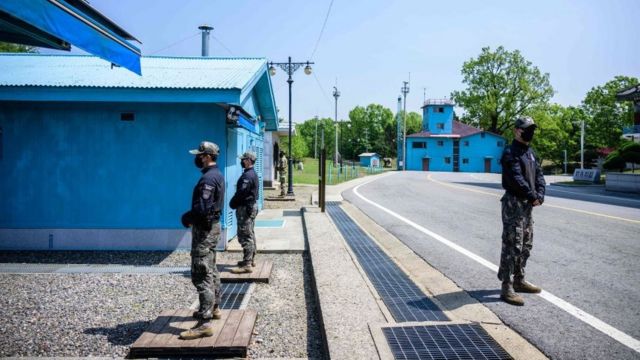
(261, 272)
(231, 336)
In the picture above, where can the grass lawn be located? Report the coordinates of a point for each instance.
(309, 175)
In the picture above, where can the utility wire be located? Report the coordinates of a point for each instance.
(175, 43)
(321, 88)
(221, 44)
(321, 30)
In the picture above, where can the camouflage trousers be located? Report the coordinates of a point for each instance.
(517, 237)
(246, 216)
(204, 273)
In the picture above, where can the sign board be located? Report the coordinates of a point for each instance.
(591, 175)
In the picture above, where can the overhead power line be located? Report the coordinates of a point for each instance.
(175, 43)
(221, 44)
(315, 48)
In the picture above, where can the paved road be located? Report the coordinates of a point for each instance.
(586, 250)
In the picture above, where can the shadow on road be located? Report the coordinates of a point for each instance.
(629, 200)
(459, 299)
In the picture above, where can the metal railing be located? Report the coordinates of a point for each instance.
(438, 102)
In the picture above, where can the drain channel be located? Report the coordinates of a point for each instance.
(403, 298)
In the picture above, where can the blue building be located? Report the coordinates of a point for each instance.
(369, 159)
(445, 144)
(96, 157)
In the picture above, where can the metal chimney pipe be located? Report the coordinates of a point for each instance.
(206, 29)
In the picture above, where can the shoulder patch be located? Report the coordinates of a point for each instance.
(206, 191)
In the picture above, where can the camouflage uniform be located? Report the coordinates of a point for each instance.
(282, 170)
(517, 236)
(204, 273)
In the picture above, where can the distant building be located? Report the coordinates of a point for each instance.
(445, 144)
(96, 157)
(369, 159)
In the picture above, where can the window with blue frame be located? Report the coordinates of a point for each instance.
(500, 144)
(466, 143)
(419, 145)
(440, 125)
(465, 161)
(447, 160)
(440, 143)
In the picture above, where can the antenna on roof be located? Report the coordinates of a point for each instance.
(206, 29)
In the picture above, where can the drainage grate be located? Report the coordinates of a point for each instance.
(405, 300)
(458, 341)
(234, 295)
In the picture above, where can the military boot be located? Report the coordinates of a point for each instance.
(245, 269)
(509, 296)
(520, 285)
(242, 263)
(201, 330)
(216, 313)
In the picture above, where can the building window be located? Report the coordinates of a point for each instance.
(482, 134)
(465, 161)
(447, 160)
(440, 143)
(1, 145)
(440, 110)
(128, 116)
(466, 143)
(500, 144)
(440, 125)
(419, 145)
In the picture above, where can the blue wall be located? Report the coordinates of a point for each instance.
(77, 165)
(480, 148)
(431, 117)
(367, 160)
(435, 152)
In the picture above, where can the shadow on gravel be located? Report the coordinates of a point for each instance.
(599, 198)
(316, 345)
(138, 258)
(122, 334)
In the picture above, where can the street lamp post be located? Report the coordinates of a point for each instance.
(290, 67)
(336, 95)
(405, 91)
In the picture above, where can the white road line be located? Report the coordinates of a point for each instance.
(598, 324)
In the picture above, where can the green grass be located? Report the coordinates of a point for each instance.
(310, 173)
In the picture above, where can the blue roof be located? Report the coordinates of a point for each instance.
(157, 72)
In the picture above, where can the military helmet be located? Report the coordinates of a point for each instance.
(248, 155)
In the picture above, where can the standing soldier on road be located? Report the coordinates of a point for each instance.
(204, 219)
(524, 184)
(244, 201)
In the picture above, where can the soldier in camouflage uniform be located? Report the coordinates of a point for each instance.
(204, 220)
(282, 170)
(244, 201)
(524, 187)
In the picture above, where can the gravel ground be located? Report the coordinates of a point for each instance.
(303, 197)
(103, 314)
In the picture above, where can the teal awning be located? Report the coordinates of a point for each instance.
(57, 24)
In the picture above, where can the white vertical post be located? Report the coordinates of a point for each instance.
(582, 144)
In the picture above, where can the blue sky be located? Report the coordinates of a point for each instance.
(371, 46)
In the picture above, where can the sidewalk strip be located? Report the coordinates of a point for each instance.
(403, 298)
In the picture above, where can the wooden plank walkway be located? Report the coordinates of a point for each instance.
(231, 336)
(261, 272)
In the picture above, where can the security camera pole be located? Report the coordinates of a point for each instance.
(290, 67)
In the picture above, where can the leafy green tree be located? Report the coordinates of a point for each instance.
(369, 130)
(557, 131)
(16, 48)
(501, 85)
(606, 116)
(614, 161)
(298, 147)
(307, 130)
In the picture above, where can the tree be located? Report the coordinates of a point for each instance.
(369, 130)
(501, 85)
(16, 48)
(606, 116)
(307, 130)
(298, 147)
(558, 130)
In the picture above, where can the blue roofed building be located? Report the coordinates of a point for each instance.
(445, 144)
(368, 159)
(96, 157)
